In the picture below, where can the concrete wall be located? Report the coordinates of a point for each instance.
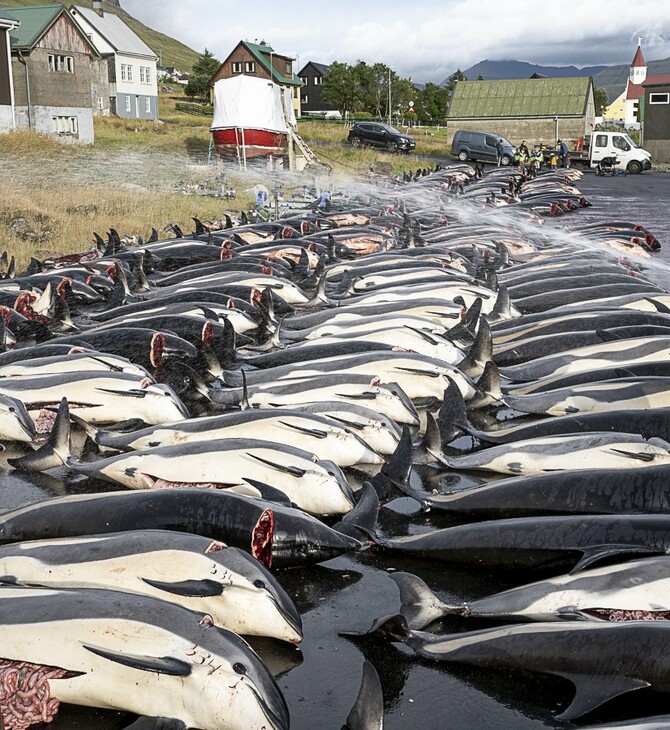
(100, 86)
(659, 149)
(42, 121)
(52, 88)
(6, 118)
(534, 131)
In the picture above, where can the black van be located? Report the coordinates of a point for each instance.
(468, 145)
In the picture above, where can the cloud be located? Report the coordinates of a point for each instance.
(422, 39)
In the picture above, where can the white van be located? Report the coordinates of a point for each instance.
(630, 157)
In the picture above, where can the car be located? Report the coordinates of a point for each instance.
(376, 134)
(469, 145)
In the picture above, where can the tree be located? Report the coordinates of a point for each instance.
(431, 104)
(601, 100)
(203, 69)
(340, 88)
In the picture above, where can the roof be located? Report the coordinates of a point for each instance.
(657, 81)
(322, 68)
(6, 23)
(115, 32)
(35, 21)
(636, 91)
(262, 52)
(638, 59)
(564, 97)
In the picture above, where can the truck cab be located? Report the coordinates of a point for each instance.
(630, 157)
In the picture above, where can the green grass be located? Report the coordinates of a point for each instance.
(171, 51)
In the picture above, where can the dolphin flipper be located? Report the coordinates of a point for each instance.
(368, 710)
(197, 588)
(162, 665)
(593, 691)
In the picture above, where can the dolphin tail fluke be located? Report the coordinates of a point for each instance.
(465, 330)
(368, 710)
(420, 606)
(452, 418)
(396, 471)
(489, 388)
(361, 522)
(481, 351)
(55, 452)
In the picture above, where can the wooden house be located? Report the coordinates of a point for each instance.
(539, 111)
(51, 67)
(260, 60)
(127, 84)
(6, 80)
(312, 75)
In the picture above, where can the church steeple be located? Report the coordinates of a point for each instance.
(638, 68)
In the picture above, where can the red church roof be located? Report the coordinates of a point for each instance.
(635, 91)
(638, 60)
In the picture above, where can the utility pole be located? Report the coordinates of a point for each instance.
(389, 95)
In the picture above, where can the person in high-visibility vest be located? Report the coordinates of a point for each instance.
(519, 158)
(536, 157)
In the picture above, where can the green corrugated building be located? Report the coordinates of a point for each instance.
(539, 110)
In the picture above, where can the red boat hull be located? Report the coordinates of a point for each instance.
(255, 141)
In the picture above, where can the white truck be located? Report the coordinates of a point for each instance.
(619, 145)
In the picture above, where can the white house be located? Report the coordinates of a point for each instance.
(6, 79)
(127, 85)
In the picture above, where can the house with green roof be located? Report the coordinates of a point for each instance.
(262, 61)
(51, 59)
(6, 79)
(537, 110)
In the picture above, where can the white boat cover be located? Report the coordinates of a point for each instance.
(247, 102)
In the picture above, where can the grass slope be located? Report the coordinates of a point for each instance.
(170, 50)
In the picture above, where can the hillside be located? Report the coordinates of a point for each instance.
(171, 51)
(509, 69)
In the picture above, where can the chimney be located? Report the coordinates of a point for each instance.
(97, 6)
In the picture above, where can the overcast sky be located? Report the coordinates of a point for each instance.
(417, 38)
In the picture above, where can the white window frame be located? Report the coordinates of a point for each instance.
(123, 72)
(59, 63)
(142, 74)
(305, 99)
(237, 67)
(318, 80)
(147, 74)
(304, 80)
(249, 67)
(63, 125)
(129, 71)
(663, 97)
(100, 103)
(128, 105)
(147, 105)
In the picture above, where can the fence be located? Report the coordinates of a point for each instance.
(200, 110)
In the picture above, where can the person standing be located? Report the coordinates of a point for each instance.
(524, 148)
(564, 153)
(536, 158)
(499, 151)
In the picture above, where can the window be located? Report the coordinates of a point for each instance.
(65, 125)
(318, 80)
(127, 103)
(129, 71)
(142, 74)
(124, 73)
(288, 67)
(100, 103)
(147, 74)
(659, 98)
(601, 140)
(64, 64)
(147, 105)
(305, 99)
(249, 67)
(237, 68)
(304, 80)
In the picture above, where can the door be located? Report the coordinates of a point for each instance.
(600, 147)
(489, 148)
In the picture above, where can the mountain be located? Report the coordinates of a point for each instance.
(613, 78)
(169, 51)
(492, 70)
